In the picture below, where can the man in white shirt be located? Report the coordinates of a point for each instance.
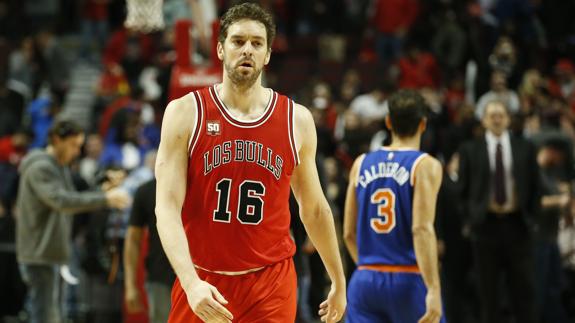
(370, 106)
(498, 92)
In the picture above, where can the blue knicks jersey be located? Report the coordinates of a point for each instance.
(384, 203)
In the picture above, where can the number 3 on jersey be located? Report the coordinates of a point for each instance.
(250, 202)
(384, 198)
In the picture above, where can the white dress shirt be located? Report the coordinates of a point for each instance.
(492, 142)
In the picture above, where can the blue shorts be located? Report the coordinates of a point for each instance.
(374, 296)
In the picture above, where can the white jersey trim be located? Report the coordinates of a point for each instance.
(360, 166)
(196, 130)
(291, 131)
(414, 168)
(268, 112)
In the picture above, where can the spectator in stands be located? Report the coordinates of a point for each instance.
(563, 84)
(533, 92)
(90, 163)
(453, 247)
(25, 64)
(56, 69)
(449, 44)
(499, 178)
(131, 50)
(134, 179)
(41, 14)
(392, 20)
(356, 138)
(159, 273)
(134, 101)
(322, 100)
(418, 69)
(121, 146)
(40, 115)
(94, 27)
(350, 86)
(556, 197)
(11, 102)
(13, 289)
(11, 17)
(14, 147)
(11, 110)
(370, 107)
(504, 58)
(46, 199)
(499, 92)
(567, 249)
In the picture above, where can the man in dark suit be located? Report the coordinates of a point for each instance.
(499, 180)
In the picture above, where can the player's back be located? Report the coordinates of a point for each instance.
(385, 200)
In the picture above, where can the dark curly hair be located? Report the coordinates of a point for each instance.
(64, 129)
(250, 11)
(406, 109)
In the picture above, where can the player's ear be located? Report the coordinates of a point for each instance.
(220, 49)
(388, 122)
(423, 125)
(268, 55)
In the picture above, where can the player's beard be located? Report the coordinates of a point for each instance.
(240, 79)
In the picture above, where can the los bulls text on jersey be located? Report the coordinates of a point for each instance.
(385, 200)
(236, 211)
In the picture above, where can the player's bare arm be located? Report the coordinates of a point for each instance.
(316, 214)
(350, 211)
(428, 176)
(171, 169)
(131, 254)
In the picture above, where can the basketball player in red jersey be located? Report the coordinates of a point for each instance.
(228, 156)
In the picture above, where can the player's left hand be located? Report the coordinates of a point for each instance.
(433, 310)
(332, 309)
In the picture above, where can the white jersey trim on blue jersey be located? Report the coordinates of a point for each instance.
(414, 168)
(357, 177)
(387, 148)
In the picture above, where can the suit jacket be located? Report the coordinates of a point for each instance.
(475, 179)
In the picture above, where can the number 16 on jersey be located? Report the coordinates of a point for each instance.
(250, 202)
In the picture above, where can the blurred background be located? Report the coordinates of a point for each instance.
(75, 59)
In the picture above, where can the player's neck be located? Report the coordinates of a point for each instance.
(242, 98)
(407, 142)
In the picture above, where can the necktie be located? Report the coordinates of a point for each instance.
(500, 194)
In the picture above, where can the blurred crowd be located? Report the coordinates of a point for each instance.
(339, 58)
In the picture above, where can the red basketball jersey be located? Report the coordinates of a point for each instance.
(236, 211)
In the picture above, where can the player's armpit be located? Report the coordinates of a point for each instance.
(304, 130)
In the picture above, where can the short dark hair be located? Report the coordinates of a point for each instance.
(406, 110)
(250, 11)
(63, 129)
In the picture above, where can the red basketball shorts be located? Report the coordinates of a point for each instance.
(268, 295)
